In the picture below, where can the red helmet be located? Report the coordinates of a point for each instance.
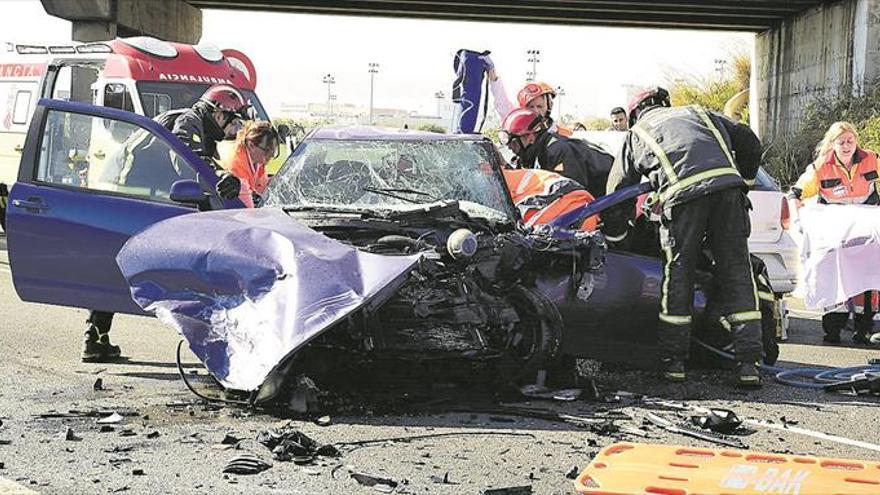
(520, 122)
(533, 90)
(227, 98)
(651, 97)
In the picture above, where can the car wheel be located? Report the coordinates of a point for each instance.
(533, 343)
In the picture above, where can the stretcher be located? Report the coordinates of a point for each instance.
(633, 468)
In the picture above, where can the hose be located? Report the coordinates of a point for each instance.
(816, 378)
(194, 391)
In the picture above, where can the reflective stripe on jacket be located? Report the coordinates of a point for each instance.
(541, 196)
(835, 184)
(686, 152)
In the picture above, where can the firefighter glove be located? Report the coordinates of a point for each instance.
(229, 186)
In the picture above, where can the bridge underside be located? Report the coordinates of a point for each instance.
(804, 49)
(729, 15)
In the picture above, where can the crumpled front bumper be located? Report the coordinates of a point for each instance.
(247, 288)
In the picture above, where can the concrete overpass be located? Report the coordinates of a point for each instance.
(804, 49)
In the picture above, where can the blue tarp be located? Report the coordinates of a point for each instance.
(466, 90)
(246, 288)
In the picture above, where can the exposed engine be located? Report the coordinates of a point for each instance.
(472, 296)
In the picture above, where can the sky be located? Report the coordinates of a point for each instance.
(293, 52)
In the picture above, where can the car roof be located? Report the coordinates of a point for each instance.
(365, 132)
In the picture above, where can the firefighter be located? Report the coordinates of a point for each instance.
(843, 173)
(525, 132)
(215, 116)
(688, 155)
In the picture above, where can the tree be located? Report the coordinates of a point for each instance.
(712, 91)
(432, 128)
(595, 123)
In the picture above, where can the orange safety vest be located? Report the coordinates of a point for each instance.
(563, 131)
(858, 185)
(251, 180)
(541, 196)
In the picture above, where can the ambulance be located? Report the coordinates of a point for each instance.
(140, 74)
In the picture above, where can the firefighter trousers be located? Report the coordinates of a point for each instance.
(722, 219)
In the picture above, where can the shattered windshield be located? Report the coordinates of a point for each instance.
(392, 175)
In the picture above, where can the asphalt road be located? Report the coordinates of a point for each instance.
(168, 442)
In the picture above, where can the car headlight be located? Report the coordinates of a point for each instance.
(461, 244)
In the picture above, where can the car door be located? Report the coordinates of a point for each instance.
(70, 212)
(618, 322)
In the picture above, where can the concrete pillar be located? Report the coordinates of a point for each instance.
(807, 57)
(101, 20)
(825, 52)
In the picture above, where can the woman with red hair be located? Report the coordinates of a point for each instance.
(256, 144)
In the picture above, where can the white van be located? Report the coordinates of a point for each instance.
(142, 75)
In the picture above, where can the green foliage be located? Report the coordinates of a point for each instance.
(788, 156)
(712, 91)
(706, 92)
(596, 123)
(432, 128)
(492, 134)
(299, 128)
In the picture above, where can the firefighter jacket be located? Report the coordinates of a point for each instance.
(835, 184)
(686, 152)
(542, 196)
(200, 132)
(574, 158)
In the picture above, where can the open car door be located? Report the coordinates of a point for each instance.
(75, 205)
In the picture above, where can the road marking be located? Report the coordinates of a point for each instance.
(8, 487)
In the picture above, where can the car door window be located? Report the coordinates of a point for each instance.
(22, 105)
(116, 95)
(107, 155)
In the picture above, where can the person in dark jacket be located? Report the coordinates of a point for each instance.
(217, 115)
(525, 132)
(700, 164)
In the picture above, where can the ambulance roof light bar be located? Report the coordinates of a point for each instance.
(62, 49)
(209, 52)
(94, 48)
(31, 49)
(152, 46)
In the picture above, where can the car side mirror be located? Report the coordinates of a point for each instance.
(283, 131)
(187, 192)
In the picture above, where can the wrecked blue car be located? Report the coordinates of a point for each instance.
(379, 242)
(372, 243)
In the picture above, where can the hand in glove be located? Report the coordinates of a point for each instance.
(229, 186)
(258, 200)
(488, 64)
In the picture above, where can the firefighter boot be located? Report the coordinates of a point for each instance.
(748, 376)
(96, 340)
(673, 370)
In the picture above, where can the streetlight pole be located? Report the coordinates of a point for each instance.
(373, 69)
(560, 92)
(329, 80)
(440, 96)
(534, 58)
(720, 63)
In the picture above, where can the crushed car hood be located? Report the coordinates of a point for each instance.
(246, 288)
